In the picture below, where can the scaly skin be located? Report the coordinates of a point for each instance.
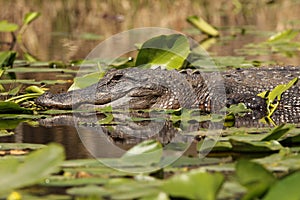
(147, 88)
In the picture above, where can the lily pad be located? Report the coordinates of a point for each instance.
(255, 146)
(287, 188)
(4, 133)
(166, 51)
(86, 80)
(89, 191)
(11, 107)
(278, 132)
(36, 166)
(146, 153)
(254, 177)
(20, 146)
(194, 184)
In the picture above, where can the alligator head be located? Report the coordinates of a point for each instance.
(133, 88)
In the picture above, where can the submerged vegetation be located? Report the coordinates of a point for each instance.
(245, 163)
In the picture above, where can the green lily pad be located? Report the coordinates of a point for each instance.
(10, 124)
(4, 132)
(146, 153)
(282, 161)
(292, 140)
(93, 191)
(11, 107)
(36, 166)
(194, 184)
(86, 80)
(124, 188)
(278, 132)
(20, 146)
(255, 146)
(254, 177)
(287, 188)
(167, 51)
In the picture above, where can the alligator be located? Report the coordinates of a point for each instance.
(138, 88)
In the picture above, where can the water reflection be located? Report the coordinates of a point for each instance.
(65, 135)
(112, 139)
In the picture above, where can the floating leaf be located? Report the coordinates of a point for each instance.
(86, 80)
(202, 25)
(20, 146)
(281, 162)
(15, 91)
(89, 190)
(8, 27)
(255, 146)
(287, 188)
(11, 107)
(167, 51)
(146, 153)
(36, 166)
(30, 17)
(10, 123)
(124, 188)
(254, 177)
(278, 132)
(4, 132)
(194, 184)
(292, 140)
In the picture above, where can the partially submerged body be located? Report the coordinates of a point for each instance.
(137, 88)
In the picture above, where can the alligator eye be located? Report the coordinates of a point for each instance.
(117, 77)
(197, 72)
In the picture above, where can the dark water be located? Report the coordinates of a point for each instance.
(59, 35)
